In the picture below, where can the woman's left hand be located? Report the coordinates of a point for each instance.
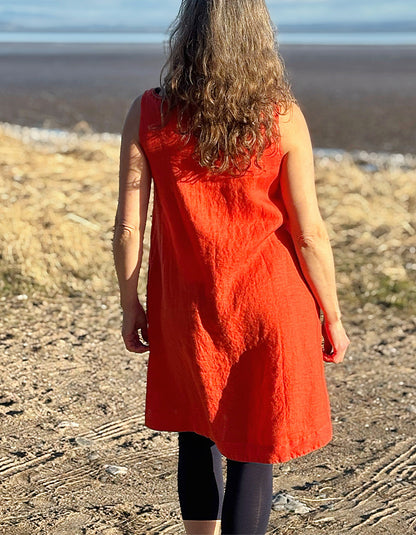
(134, 320)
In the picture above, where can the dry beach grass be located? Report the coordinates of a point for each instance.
(59, 197)
(72, 398)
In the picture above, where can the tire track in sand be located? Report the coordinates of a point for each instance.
(382, 490)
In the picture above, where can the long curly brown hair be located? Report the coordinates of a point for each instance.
(227, 79)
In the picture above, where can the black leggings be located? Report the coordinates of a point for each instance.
(244, 507)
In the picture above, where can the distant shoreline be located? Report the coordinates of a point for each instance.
(353, 97)
(289, 37)
(10, 48)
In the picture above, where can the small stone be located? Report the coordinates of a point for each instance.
(68, 424)
(282, 501)
(114, 469)
(93, 456)
(21, 297)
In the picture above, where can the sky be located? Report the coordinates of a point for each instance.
(33, 14)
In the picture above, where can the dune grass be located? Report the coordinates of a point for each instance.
(371, 219)
(59, 201)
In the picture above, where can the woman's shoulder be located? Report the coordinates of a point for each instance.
(132, 118)
(142, 101)
(293, 127)
(152, 94)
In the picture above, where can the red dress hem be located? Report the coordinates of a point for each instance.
(246, 452)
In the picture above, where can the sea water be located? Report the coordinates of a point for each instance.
(293, 38)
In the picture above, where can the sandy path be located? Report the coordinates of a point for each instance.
(72, 402)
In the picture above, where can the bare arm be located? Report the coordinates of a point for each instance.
(306, 225)
(130, 222)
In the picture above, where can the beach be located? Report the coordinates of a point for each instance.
(354, 97)
(75, 456)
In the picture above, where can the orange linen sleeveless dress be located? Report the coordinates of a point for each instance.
(234, 330)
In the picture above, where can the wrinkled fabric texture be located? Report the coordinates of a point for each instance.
(234, 331)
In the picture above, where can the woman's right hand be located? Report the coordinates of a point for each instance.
(336, 341)
(135, 320)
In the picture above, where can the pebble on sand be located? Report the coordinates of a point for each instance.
(66, 423)
(286, 502)
(114, 469)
